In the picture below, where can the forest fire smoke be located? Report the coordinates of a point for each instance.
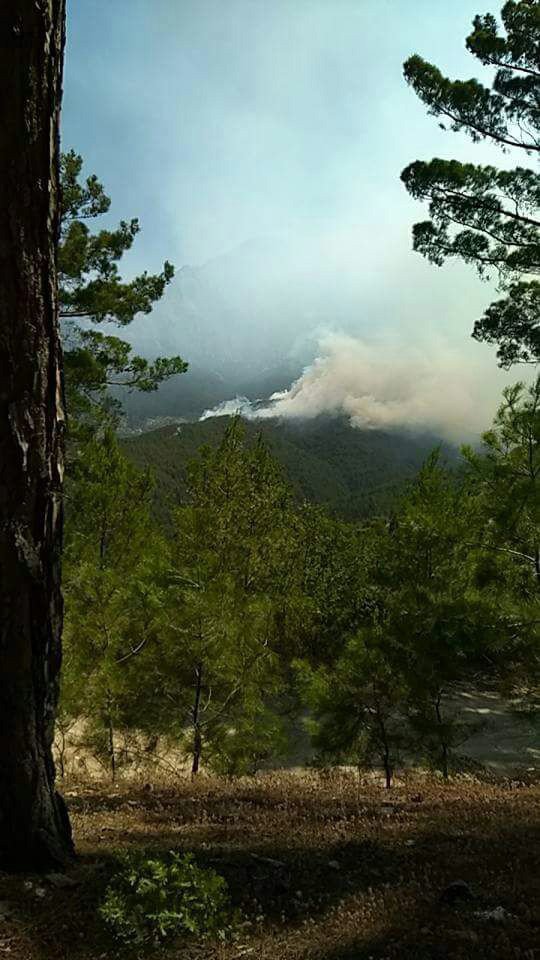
(386, 386)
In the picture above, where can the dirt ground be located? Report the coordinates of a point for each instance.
(508, 738)
(321, 866)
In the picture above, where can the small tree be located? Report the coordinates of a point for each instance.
(357, 706)
(216, 672)
(113, 602)
(438, 626)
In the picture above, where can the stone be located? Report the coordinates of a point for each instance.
(456, 891)
(60, 880)
(495, 915)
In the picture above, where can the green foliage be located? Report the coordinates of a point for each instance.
(111, 575)
(350, 473)
(512, 323)
(357, 706)
(257, 737)
(480, 214)
(155, 899)
(506, 475)
(230, 566)
(427, 628)
(211, 635)
(91, 290)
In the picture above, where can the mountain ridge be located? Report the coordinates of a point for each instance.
(353, 473)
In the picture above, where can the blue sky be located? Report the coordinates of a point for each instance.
(283, 125)
(216, 121)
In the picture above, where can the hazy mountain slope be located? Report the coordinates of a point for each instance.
(247, 322)
(351, 472)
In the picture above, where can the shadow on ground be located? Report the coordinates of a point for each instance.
(320, 869)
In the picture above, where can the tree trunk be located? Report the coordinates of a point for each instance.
(387, 771)
(197, 738)
(387, 765)
(442, 740)
(34, 826)
(110, 747)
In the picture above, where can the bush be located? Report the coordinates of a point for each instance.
(157, 898)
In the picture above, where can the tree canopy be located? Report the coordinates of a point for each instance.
(92, 292)
(481, 214)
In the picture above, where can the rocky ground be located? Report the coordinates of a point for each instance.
(320, 866)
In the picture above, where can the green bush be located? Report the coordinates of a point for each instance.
(157, 898)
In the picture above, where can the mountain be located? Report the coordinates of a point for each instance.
(248, 322)
(354, 473)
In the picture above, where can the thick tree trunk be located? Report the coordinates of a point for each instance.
(34, 826)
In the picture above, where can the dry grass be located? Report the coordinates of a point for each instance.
(361, 877)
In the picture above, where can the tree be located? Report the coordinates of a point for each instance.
(92, 292)
(112, 561)
(332, 595)
(438, 624)
(505, 474)
(34, 826)
(216, 671)
(478, 213)
(358, 705)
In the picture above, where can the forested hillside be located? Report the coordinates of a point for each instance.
(354, 473)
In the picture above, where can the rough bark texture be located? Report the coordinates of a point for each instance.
(34, 827)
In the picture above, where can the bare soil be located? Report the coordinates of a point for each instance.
(358, 873)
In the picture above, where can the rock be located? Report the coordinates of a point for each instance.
(60, 880)
(467, 936)
(272, 878)
(495, 915)
(277, 864)
(456, 891)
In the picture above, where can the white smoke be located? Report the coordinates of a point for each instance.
(434, 387)
(230, 408)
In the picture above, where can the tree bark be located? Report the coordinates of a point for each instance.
(442, 740)
(197, 738)
(111, 749)
(34, 825)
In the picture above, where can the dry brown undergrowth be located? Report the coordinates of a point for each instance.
(357, 872)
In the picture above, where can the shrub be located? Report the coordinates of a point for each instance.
(157, 898)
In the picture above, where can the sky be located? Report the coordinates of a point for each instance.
(221, 123)
(215, 121)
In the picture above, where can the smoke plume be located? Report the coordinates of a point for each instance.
(435, 387)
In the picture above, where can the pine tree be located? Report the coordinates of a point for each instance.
(34, 826)
(481, 214)
(91, 293)
(111, 583)
(212, 679)
(505, 475)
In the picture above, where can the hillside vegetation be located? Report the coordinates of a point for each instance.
(353, 473)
